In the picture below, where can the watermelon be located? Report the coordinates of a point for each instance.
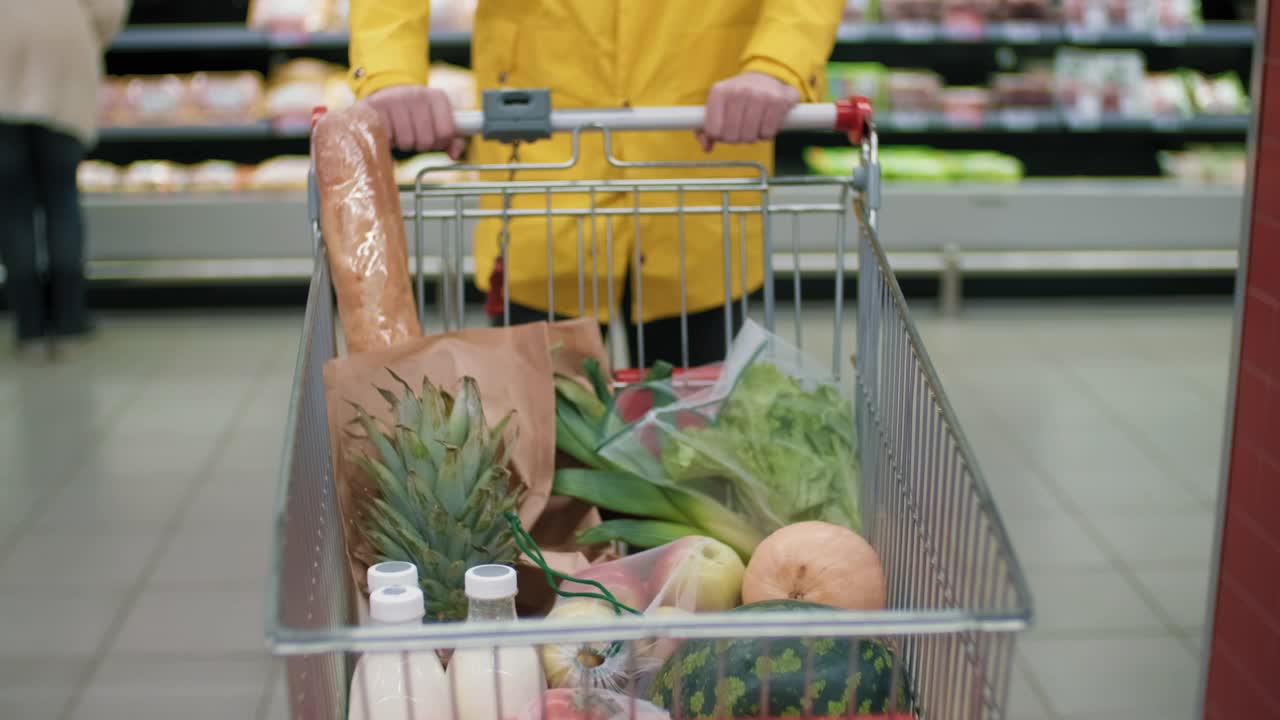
(837, 684)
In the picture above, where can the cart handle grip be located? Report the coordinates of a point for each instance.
(851, 116)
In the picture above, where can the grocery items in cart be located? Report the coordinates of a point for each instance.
(765, 433)
(847, 574)
(802, 677)
(712, 438)
(493, 682)
(693, 574)
(398, 685)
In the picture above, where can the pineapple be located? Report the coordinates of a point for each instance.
(442, 488)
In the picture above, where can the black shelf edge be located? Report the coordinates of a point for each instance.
(188, 133)
(147, 38)
(162, 38)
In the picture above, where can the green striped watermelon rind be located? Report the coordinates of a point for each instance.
(821, 690)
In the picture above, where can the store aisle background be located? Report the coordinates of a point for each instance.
(138, 482)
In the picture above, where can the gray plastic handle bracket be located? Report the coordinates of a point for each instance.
(512, 116)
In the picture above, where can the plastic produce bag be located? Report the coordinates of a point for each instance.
(578, 704)
(773, 437)
(693, 574)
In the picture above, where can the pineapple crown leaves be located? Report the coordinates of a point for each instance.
(441, 484)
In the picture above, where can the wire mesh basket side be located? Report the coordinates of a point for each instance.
(310, 589)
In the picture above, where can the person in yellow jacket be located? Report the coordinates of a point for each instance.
(748, 61)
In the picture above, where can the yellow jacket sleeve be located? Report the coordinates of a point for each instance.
(388, 43)
(792, 42)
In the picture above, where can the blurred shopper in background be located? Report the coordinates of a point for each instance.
(50, 69)
(748, 61)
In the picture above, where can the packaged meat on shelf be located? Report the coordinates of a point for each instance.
(285, 173)
(286, 97)
(959, 15)
(1083, 85)
(301, 17)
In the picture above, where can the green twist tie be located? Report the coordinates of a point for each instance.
(526, 545)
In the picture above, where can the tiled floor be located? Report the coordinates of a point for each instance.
(137, 483)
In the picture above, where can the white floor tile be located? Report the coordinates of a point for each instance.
(1121, 675)
(67, 561)
(1183, 593)
(55, 623)
(197, 623)
(1150, 539)
(1088, 601)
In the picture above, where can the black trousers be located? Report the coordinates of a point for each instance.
(662, 337)
(38, 177)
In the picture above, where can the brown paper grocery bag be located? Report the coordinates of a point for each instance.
(513, 368)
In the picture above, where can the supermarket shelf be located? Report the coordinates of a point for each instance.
(1051, 121)
(167, 38)
(1081, 227)
(888, 122)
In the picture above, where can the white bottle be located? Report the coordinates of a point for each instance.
(481, 690)
(398, 685)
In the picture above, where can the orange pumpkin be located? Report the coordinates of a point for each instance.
(819, 563)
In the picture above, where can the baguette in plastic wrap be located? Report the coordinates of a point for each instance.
(363, 229)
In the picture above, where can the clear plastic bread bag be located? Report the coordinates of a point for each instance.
(774, 438)
(674, 581)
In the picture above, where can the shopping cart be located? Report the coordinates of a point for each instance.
(957, 597)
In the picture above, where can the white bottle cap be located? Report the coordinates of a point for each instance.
(396, 604)
(386, 574)
(491, 582)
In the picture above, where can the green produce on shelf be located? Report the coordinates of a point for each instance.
(920, 164)
(813, 677)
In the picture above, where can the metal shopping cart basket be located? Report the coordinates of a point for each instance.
(957, 597)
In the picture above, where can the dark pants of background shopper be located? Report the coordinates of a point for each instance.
(38, 173)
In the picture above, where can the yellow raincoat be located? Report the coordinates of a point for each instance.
(614, 53)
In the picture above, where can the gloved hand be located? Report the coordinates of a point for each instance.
(420, 119)
(746, 108)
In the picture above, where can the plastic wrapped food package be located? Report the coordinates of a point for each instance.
(968, 15)
(1167, 95)
(1206, 165)
(1026, 10)
(364, 228)
(867, 80)
(914, 91)
(966, 104)
(295, 88)
(284, 172)
(154, 100)
(97, 176)
(1220, 95)
(1032, 90)
(154, 176)
(215, 176)
(225, 98)
(454, 15)
(910, 10)
(290, 16)
(110, 101)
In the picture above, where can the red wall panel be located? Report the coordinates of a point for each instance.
(1244, 652)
